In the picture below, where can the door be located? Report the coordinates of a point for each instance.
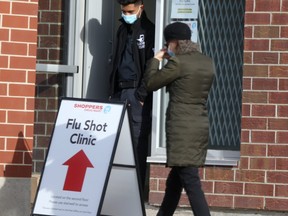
(92, 28)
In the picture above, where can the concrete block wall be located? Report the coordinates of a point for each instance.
(18, 43)
(260, 180)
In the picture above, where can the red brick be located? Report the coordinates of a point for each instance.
(256, 45)
(4, 33)
(282, 137)
(24, 35)
(220, 201)
(23, 171)
(254, 97)
(229, 188)
(15, 21)
(264, 110)
(155, 197)
(11, 157)
(28, 157)
(266, 31)
(12, 76)
(50, 42)
(3, 89)
(276, 204)
(57, 5)
(253, 150)
(283, 85)
(245, 136)
(279, 45)
(3, 62)
(12, 103)
(249, 202)
(255, 71)
(249, 5)
(44, 5)
(264, 84)
(247, 83)
(246, 110)
(20, 117)
(2, 143)
(263, 163)
(207, 186)
(267, 5)
(51, 17)
(29, 130)
(42, 54)
(153, 184)
(248, 32)
(215, 173)
(278, 71)
(278, 151)
(19, 144)
(263, 137)
(282, 163)
(158, 171)
(284, 32)
(9, 130)
(280, 177)
(250, 176)
(22, 62)
(278, 97)
(265, 58)
(31, 77)
(253, 123)
(32, 50)
(279, 19)
(281, 190)
(282, 111)
(4, 7)
(248, 56)
(259, 189)
(257, 18)
(278, 124)
(24, 8)
(14, 48)
(2, 119)
(21, 90)
(43, 29)
(284, 59)
(244, 163)
(33, 23)
(284, 5)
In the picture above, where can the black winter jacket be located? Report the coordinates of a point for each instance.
(143, 31)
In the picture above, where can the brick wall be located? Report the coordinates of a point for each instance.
(48, 86)
(18, 36)
(260, 181)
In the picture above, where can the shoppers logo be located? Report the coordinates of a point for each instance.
(141, 42)
(89, 107)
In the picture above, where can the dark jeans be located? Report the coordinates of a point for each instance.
(187, 178)
(141, 127)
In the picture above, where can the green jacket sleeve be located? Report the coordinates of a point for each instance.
(156, 78)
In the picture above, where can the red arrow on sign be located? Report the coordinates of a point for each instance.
(76, 171)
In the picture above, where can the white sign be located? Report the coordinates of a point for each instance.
(184, 9)
(80, 158)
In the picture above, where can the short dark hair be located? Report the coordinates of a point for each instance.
(127, 2)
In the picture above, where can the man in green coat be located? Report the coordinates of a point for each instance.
(188, 76)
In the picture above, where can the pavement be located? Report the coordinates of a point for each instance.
(180, 211)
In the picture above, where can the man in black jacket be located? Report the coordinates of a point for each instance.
(134, 46)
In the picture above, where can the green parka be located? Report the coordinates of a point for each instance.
(188, 79)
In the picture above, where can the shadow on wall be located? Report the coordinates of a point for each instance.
(15, 187)
(98, 81)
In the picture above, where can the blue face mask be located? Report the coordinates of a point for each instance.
(170, 52)
(130, 19)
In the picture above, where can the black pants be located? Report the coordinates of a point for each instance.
(187, 178)
(141, 127)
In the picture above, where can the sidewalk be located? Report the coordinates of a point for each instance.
(152, 211)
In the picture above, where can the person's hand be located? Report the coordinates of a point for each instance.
(142, 103)
(160, 55)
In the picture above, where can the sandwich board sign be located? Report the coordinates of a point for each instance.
(90, 167)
